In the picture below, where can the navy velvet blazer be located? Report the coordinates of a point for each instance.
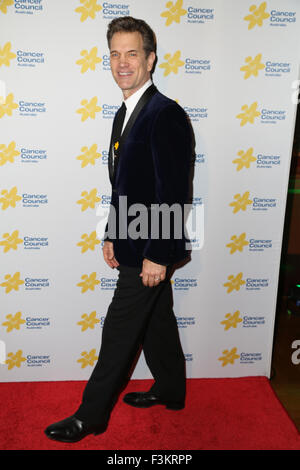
(154, 168)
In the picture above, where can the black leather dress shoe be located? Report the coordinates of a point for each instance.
(147, 399)
(72, 430)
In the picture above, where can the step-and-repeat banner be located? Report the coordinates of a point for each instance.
(233, 66)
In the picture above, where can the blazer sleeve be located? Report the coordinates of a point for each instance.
(171, 148)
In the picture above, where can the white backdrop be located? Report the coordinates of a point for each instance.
(231, 64)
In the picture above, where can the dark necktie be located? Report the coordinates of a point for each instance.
(117, 131)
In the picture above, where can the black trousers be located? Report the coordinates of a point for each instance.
(137, 316)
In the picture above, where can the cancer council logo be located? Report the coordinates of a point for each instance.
(229, 356)
(88, 358)
(15, 359)
(88, 9)
(88, 200)
(87, 157)
(7, 105)
(13, 322)
(89, 60)
(245, 158)
(172, 63)
(231, 320)
(6, 55)
(88, 321)
(9, 198)
(4, 4)
(253, 66)
(88, 242)
(248, 114)
(257, 15)
(234, 282)
(89, 282)
(237, 243)
(10, 241)
(8, 153)
(12, 282)
(88, 109)
(174, 12)
(241, 202)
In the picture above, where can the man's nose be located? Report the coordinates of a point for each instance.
(123, 62)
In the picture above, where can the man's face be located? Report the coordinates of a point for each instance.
(128, 62)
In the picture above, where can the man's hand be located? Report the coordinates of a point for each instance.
(108, 254)
(152, 273)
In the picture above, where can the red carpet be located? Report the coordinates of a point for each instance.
(221, 414)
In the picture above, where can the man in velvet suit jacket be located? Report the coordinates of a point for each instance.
(149, 166)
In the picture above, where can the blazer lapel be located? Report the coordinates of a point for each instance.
(141, 103)
(110, 153)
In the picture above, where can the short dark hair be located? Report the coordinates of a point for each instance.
(127, 24)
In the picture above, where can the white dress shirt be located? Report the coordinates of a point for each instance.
(132, 101)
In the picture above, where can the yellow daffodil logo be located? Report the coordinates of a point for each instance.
(253, 66)
(89, 109)
(88, 359)
(9, 198)
(172, 63)
(257, 15)
(6, 55)
(237, 243)
(88, 321)
(249, 113)
(89, 155)
(8, 154)
(12, 282)
(4, 4)
(89, 59)
(241, 202)
(229, 356)
(88, 242)
(15, 360)
(174, 12)
(7, 106)
(89, 199)
(88, 282)
(10, 241)
(232, 320)
(244, 160)
(234, 282)
(88, 9)
(13, 322)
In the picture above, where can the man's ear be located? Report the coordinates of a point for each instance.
(150, 61)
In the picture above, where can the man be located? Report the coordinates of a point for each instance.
(149, 165)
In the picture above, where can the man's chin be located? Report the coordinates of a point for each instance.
(124, 86)
(127, 90)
